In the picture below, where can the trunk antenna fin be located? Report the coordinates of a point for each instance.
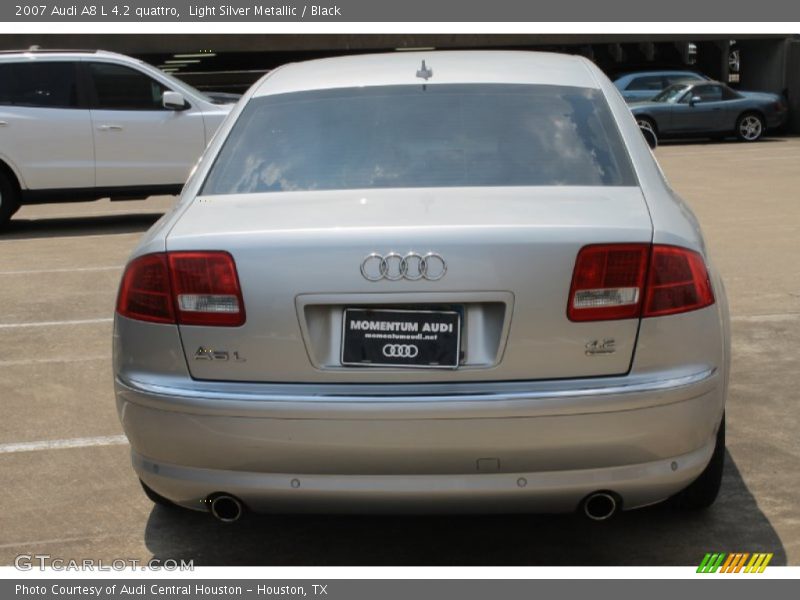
(424, 72)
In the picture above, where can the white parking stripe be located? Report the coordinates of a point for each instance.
(675, 152)
(107, 440)
(766, 318)
(79, 216)
(54, 323)
(749, 159)
(88, 236)
(73, 270)
(47, 361)
(28, 543)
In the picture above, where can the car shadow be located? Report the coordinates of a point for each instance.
(22, 228)
(731, 141)
(658, 535)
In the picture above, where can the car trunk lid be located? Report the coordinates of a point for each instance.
(509, 253)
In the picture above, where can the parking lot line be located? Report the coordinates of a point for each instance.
(748, 160)
(65, 540)
(54, 323)
(42, 361)
(735, 152)
(107, 440)
(48, 271)
(766, 318)
(88, 236)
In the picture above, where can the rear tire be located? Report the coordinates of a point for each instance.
(648, 128)
(750, 127)
(646, 123)
(9, 199)
(157, 498)
(703, 491)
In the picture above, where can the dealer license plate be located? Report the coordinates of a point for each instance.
(401, 338)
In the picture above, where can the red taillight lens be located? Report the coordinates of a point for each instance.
(678, 282)
(189, 288)
(609, 282)
(144, 293)
(206, 289)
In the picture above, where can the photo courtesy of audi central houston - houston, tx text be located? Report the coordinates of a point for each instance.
(384, 299)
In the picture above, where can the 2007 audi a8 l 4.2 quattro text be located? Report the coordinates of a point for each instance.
(442, 281)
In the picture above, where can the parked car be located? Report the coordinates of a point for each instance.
(88, 125)
(425, 281)
(223, 97)
(644, 85)
(710, 109)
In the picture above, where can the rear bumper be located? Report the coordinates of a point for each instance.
(777, 119)
(540, 491)
(504, 447)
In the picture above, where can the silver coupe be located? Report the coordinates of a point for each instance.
(433, 281)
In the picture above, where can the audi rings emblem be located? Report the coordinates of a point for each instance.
(412, 266)
(400, 351)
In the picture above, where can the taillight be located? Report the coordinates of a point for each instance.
(607, 282)
(187, 288)
(625, 281)
(678, 282)
(144, 293)
(206, 288)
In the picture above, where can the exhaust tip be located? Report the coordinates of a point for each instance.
(600, 506)
(226, 508)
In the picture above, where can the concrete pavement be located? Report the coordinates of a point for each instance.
(59, 268)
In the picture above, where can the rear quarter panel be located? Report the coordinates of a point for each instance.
(699, 337)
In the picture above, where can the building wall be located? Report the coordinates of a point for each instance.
(769, 62)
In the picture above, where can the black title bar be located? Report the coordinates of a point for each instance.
(418, 11)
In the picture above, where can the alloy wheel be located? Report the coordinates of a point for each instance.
(645, 124)
(750, 128)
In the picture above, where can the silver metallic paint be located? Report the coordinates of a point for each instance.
(640, 421)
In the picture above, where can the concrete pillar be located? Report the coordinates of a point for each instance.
(712, 59)
(763, 65)
(648, 50)
(773, 66)
(616, 52)
(793, 84)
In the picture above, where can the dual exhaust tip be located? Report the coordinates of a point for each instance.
(225, 507)
(600, 506)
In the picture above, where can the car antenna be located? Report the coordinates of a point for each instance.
(424, 73)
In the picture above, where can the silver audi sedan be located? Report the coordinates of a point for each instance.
(435, 281)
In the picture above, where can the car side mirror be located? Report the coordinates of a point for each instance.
(173, 101)
(694, 100)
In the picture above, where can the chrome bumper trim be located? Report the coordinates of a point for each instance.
(501, 393)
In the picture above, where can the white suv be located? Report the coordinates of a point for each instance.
(88, 125)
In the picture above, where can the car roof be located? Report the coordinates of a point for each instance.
(46, 54)
(400, 68)
(688, 73)
(696, 82)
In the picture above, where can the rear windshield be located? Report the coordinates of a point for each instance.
(422, 136)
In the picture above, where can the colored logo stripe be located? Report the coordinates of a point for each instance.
(711, 562)
(758, 563)
(734, 562)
